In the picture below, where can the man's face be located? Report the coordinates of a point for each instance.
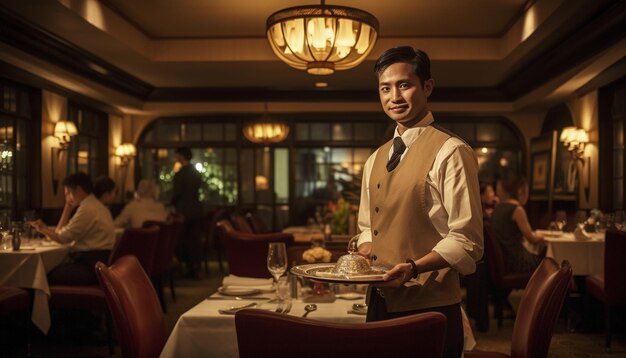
(69, 194)
(402, 95)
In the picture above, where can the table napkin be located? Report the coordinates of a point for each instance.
(236, 282)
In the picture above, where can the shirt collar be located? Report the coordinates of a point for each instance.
(410, 135)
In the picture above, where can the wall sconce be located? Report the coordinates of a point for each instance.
(126, 152)
(575, 139)
(63, 132)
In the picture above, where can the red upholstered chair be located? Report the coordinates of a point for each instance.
(255, 222)
(240, 223)
(247, 253)
(84, 298)
(538, 311)
(13, 299)
(141, 242)
(610, 286)
(134, 306)
(262, 333)
(502, 281)
(163, 256)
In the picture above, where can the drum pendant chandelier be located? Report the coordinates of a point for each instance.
(322, 38)
(266, 130)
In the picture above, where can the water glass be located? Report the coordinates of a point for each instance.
(283, 288)
(277, 261)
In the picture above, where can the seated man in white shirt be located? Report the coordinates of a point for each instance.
(90, 232)
(143, 208)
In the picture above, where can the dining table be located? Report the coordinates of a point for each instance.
(583, 250)
(205, 332)
(27, 268)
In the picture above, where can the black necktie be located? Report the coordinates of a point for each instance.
(398, 149)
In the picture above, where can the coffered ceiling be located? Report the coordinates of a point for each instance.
(162, 50)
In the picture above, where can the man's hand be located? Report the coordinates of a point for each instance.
(365, 249)
(38, 225)
(397, 276)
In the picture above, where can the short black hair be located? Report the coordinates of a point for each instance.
(79, 179)
(512, 184)
(103, 185)
(416, 57)
(185, 152)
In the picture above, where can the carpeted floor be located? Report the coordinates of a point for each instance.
(74, 335)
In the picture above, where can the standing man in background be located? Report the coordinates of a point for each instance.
(185, 199)
(420, 211)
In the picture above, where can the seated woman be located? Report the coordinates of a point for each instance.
(488, 199)
(143, 208)
(511, 227)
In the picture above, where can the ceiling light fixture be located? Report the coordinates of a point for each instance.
(322, 38)
(266, 130)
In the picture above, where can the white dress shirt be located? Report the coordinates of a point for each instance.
(139, 211)
(91, 227)
(453, 204)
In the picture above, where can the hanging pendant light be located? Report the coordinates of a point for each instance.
(266, 130)
(322, 38)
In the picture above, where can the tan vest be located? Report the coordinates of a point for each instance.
(401, 227)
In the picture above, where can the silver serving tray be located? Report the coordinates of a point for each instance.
(322, 272)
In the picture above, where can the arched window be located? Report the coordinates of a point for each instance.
(321, 160)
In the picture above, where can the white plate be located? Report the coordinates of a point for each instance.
(238, 291)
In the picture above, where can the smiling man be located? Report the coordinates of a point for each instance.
(420, 212)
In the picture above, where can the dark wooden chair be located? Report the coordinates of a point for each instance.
(502, 281)
(247, 253)
(212, 241)
(141, 242)
(135, 307)
(420, 335)
(610, 286)
(163, 257)
(13, 299)
(538, 311)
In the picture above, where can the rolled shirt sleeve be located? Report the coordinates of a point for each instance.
(457, 183)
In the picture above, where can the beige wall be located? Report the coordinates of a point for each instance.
(584, 111)
(53, 160)
(54, 108)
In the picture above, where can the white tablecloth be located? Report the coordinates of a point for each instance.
(27, 269)
(585, 256)
(203, 332)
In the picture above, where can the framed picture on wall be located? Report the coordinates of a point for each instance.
(542, 162)
(540, 173)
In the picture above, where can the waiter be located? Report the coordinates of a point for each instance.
(420, 212)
